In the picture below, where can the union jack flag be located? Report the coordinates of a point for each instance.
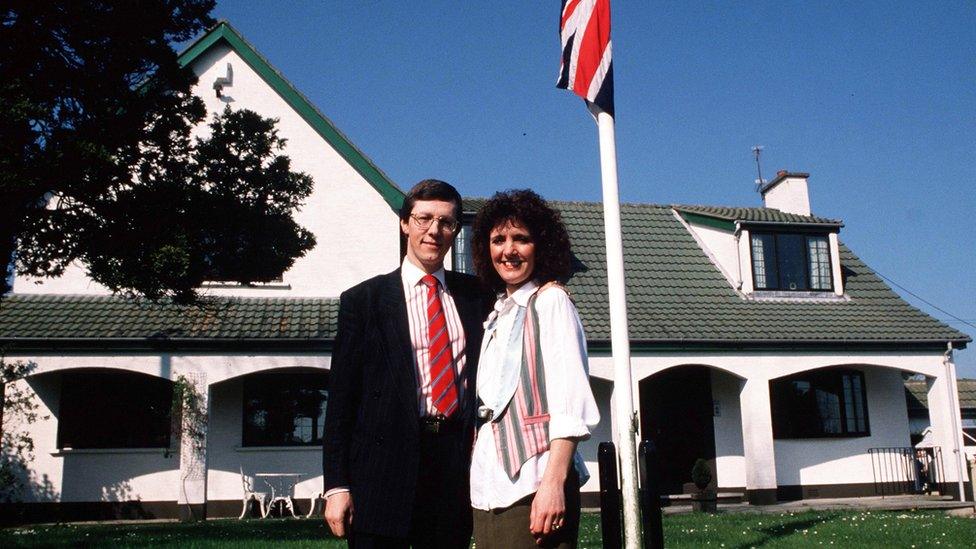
(587, 68)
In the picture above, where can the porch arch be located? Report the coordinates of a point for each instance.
(705, 398)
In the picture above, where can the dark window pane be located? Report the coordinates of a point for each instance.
(828, 411)
(822, 403)
(284, 409)
(114, 409)
(791, 249)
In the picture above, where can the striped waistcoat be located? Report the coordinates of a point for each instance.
(522, 429)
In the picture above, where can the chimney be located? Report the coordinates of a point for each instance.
(788, 193)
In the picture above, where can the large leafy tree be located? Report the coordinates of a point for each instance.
(98, 163)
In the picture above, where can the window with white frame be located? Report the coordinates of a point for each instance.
(791, 262)
(820, 404)
(463, 261)
(103, 408)
(284, 409)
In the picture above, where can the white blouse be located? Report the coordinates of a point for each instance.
(572, 408)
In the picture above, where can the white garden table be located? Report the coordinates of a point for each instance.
(282, 488)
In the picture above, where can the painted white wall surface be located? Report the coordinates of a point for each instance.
(603, 432)
(730, 460)
(745, 261)
(356, 230)
(790, 195)
(845, 460)
(882, 379)
(835, 271)
(720, 247)
(152, 476)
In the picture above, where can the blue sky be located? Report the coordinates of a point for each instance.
(876, 100)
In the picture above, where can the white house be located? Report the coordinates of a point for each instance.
(759, 341)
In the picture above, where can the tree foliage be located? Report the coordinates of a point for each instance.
(98, 163)
(18, 410)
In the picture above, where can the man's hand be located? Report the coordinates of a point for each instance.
(338, 513)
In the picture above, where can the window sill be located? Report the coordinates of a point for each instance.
(278, 448)
(823, 437)
(74, 451)
(796, 296)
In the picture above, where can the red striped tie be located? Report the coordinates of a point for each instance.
(443, 388)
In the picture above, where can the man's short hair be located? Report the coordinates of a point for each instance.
(431, 189)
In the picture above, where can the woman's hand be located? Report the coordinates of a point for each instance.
(549, 504)
(548, 509)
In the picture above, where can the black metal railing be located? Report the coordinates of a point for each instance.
(907, 470)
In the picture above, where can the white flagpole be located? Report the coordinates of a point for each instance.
(623, 394)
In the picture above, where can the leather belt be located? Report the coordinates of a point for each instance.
(437, 424)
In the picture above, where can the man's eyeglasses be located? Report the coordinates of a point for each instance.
(423, 221)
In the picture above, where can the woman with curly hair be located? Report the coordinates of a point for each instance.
(535, 398)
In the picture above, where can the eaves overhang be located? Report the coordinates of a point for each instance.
(23, 346)
(603, 347)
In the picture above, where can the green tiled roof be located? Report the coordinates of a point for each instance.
(676, 297)
(917, 394)
(73, 317)
(757, 215)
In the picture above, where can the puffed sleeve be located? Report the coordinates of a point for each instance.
(572, 408)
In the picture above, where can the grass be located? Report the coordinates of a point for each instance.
(742, 530)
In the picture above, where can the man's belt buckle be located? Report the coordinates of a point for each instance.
(434, 424)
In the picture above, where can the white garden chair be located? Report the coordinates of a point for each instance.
(250, 494)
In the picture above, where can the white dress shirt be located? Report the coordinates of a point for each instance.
(415, 293)
(572, 408)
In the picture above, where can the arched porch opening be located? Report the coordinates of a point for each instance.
(691, 412)
(104, 442)
(266, 422)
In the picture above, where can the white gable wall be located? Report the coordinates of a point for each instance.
(356, 229)
(721, 247)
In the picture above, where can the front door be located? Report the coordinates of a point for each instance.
(676, 414)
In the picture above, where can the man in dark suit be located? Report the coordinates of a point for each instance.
(400, 418)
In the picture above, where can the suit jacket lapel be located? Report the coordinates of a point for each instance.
(396, 334)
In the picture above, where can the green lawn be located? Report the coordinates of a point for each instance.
(838, 528)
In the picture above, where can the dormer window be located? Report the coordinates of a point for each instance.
(791, 262)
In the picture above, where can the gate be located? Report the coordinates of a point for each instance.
(907, 470)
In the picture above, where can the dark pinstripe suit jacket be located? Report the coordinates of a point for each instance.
(371, 441)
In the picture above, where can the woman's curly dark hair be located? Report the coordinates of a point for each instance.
(527, 209)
